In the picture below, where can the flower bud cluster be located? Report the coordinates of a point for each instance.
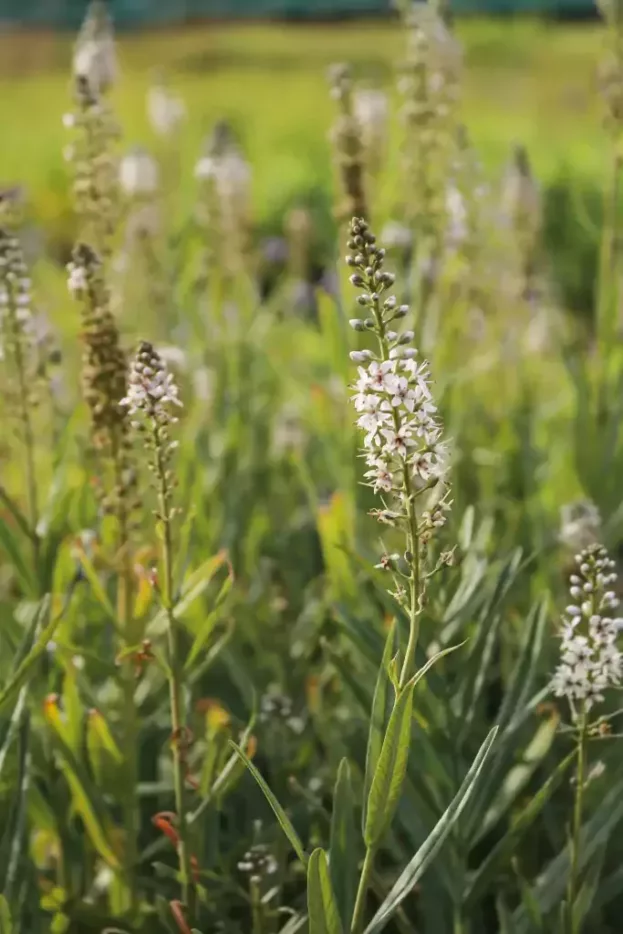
(152, 400)
(404, 450)
(590, 659)
(95, 168)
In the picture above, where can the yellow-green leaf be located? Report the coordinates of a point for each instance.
(324, 917)
(390, 769)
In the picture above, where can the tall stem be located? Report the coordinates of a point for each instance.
(607, 306)
(360, 901)
(125, 616)
(178, 723)
(29, 449)
(573, 927)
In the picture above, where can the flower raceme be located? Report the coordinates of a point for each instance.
(151, 388)
(403, 443)
(590, 660)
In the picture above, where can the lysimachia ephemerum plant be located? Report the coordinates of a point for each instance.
(591, 666)
(407, 465)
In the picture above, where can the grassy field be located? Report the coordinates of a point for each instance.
(527, 82)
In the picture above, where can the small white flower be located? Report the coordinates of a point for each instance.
(138, 173)
(381, 476)
(151, 388)
(590, 659)
(77, 281)
(165, 110)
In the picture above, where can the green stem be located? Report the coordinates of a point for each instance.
(360, 901)
(577, 825)
(131, 818)
(29, 448)
(178, 723)
(256, 908)
(607, 306)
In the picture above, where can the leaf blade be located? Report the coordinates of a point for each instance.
(322, 909)
(432, 844)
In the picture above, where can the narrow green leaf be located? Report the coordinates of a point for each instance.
(519, 775)
(503, 851)
(390, 769)
(378, 717)
(14, 551)
(96, 586)
(18, 811)
(343, 845)
(12, 727)
(323, 913)
(588, 890)
(85, 797)
(429, 849)
(198, 582)
(522, 678)
(25, 668)
(286, 824)
(207, 626)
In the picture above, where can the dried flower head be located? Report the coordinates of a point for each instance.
(348, 146)
(521, 205)
(590, 662)
(371, 111)
(103, 378)
(16, 321)
(404, 450)
(96, 173)
(224, 204)
(430, 89)
(95, 59)
(611, 65)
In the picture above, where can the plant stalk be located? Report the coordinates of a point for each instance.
(175, 679)
(574, 928)
(131, 818)
(360, 901)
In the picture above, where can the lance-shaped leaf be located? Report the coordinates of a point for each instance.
(343, 848)
(322, 908)
(429, 849)
(280, 814)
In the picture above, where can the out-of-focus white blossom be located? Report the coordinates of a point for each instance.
(138, 173)
(396, 236)
(580, 524)
(371, 111)
(95, 58)
(166, 111)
